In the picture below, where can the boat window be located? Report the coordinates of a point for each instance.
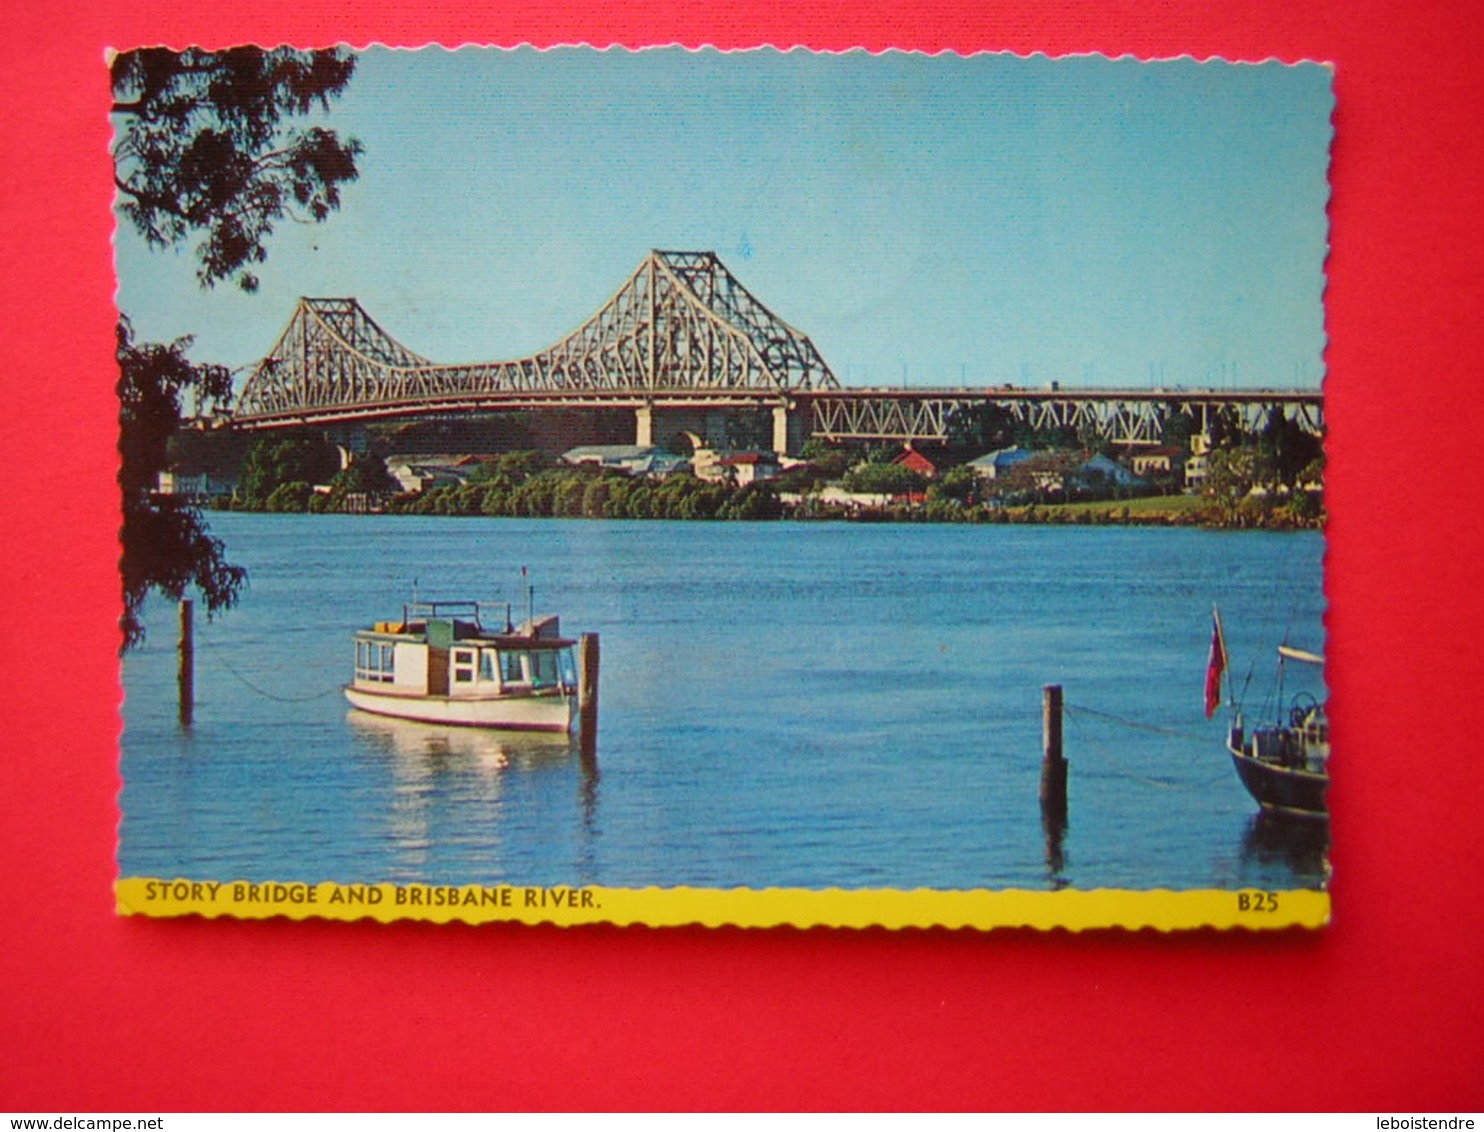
(463, 666)
(487, 665)
(568, 667)
(512, 667)
(375, 661)
(546, 669)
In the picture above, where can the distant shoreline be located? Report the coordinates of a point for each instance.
(1150, 511)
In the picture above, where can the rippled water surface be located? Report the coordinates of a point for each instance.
(782, 704)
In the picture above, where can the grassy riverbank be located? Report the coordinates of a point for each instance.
(1175, 511)
(1151, 511)
(759, 502)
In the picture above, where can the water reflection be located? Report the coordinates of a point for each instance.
(434, 767)
(427, 747)
(1054, 828)
(1276, 842)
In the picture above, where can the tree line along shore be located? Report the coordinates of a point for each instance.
(1247, 485)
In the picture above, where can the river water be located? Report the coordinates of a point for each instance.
(795, 704)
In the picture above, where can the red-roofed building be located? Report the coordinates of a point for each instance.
(917, 462)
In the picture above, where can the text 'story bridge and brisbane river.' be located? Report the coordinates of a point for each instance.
(683, 337)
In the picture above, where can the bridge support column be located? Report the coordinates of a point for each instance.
(788, 429)
(644, 427)
(351, 439)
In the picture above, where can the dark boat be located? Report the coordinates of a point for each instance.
(1285, 765)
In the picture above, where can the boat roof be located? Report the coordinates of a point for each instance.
(520, 641)
(464, 618)
(1304, 655)
(418, 630)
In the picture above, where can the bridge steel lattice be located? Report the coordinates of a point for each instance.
(1125, 417)
(681, 333)
(682, 325)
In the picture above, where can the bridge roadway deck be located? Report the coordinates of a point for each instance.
(693, 398)
(991, 393)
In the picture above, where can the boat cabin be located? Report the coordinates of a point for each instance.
(444, 649)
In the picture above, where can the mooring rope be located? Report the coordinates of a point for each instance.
(1190, 736)
(225, 663)
(1117, 767)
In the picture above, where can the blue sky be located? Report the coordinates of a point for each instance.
(928, 220)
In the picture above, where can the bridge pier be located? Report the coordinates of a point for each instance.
(351, 439)
(783, 428)
(790, 428)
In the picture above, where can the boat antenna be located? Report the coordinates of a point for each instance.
(530, 603)
(1247, 682)
(1282, 672)
(1282, 658)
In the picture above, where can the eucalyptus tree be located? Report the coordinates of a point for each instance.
(206, 150)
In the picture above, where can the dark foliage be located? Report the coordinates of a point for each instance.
(274, 461)
(166, 545)
(203, 147)
(365, 476)
(1178, 426)
(884, 479)
(985, 427)
(958, 485)
(1286, 450)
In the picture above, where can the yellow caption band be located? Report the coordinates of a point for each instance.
(1072, 909)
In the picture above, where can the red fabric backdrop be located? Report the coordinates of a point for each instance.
(1381, 1012)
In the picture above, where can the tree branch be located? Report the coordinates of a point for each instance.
(163, 203)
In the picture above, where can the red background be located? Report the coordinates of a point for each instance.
(1380, 1012)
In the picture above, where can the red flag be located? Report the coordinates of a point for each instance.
(1216, 666)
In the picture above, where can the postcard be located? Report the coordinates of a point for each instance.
(732, 488)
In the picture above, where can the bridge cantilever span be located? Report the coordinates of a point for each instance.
(682, 326)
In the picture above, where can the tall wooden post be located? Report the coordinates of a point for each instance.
(587, 694)
(1053, 764)
(186, 670)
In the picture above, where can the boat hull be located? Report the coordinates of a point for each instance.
(550, 713)
(1282, 789)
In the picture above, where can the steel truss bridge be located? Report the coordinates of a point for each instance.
(682, 335)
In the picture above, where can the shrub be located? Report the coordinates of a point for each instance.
(292, 496)
(883, 479)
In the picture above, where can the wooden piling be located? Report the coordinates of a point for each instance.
(587, 693)
(1053, 764)
(186, 670)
